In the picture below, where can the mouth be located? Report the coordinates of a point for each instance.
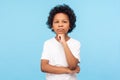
(60, 30)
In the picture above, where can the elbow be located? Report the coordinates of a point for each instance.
(72, 67)
(42, 68)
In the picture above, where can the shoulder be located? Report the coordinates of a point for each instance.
(49, 41)
(74, 42)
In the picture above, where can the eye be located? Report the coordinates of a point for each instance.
(64, 21)
(56, 21)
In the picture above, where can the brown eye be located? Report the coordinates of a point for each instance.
(64, 21)
(56, 21)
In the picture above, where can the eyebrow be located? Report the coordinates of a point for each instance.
(60, 19)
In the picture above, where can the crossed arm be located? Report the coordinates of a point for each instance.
(46, 67)
(71, 60)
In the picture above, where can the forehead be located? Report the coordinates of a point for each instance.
(61, 16)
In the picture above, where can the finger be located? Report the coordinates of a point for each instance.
(59, 37)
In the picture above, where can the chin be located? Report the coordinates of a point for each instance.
(60, 33)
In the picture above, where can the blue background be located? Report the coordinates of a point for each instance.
(23, 30)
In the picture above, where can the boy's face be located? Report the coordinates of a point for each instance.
(61, 23)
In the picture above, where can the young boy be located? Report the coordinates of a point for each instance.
(60, 56)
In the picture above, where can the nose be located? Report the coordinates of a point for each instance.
(60, 24)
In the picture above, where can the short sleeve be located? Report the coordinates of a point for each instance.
(45, 53)
(75, 49)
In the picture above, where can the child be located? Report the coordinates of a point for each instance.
(60, 56)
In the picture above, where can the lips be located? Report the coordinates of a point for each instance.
(60, 30)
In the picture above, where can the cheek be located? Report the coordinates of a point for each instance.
(67, 29)
(54, 29)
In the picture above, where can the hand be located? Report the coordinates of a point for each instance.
(61, 38)
(77, 70)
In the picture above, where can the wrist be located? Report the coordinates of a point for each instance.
(64, 43)
(68, 71)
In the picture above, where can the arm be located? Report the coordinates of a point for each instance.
(46, 67)
(72, 61)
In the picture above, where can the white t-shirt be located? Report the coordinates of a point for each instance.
(54, 52)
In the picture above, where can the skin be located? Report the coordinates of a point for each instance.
(61, 25)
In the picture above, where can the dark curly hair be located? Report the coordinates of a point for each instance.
(62, 9)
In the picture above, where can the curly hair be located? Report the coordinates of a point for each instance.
(62, 9)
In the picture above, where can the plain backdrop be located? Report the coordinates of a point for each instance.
(23, 31)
